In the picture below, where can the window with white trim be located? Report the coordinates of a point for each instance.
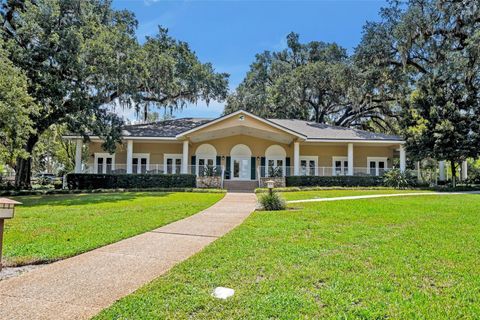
(172, 163)
(206, 155)
(308, 165)
(140, 162)
(275, 156)
(104, 162)
(376, 166)
(339, 166)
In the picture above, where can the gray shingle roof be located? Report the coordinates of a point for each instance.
(312, 130)
(165, 128)
(323, 131)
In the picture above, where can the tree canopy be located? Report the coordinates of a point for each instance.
(79, 56)
(16, 108)
(435, 45)
(314, 81)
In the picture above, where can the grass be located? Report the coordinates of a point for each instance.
(302, 195)
(402, 258)
(47, 228)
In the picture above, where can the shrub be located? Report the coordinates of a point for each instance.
(129, 181)
(272, 201)
(397, 179)
(334, 181)
(275, 172)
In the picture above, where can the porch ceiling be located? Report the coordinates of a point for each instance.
(241, 130)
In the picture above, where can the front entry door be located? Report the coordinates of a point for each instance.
(241, 168)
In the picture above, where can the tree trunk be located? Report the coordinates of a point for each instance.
(23, 168)
(454, 173)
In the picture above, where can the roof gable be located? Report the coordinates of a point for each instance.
(244, 119)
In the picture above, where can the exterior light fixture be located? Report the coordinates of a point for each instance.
(270, 185)
(7, 210)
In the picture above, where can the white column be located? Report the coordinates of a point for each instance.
(350, 159)
(441, 168)
(464, 170)
(129, 156)
(296, 158)
(403, 159)
(185, 157)
(78, 156)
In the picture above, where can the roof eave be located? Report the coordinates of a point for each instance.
(355, 140)
(123, 138)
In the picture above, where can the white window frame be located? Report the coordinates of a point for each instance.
(173, 156)
(344, 170)
(376, 160)
(205, 152)
(270, 154)
(309, 158)
(104, 155)
(139, 156)
(206, 158)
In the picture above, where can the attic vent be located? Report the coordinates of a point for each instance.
(241, 117)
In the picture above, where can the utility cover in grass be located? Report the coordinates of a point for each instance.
(223, 293)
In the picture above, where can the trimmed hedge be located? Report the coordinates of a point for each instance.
(48, 192)
(335, 181)
(129, 181)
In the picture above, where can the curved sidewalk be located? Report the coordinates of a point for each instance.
(81, 286)
(383, 196)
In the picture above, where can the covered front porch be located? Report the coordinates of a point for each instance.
(243, 157)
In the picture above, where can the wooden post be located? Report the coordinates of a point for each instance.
(1, 241)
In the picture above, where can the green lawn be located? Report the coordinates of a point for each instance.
(401, 258)
(302, 195)
(53, 227)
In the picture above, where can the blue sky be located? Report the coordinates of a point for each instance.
(229, 33)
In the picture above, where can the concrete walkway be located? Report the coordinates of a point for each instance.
(81, 286)
(383, 196)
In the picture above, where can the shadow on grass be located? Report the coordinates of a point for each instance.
(84, 198)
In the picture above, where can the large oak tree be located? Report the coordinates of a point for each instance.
(81, 55)
(435, 45)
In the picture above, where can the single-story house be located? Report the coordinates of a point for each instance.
(244, 147)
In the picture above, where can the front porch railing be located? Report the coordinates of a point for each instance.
(221, 171)
(286, 171)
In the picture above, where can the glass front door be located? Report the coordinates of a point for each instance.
(241, 168)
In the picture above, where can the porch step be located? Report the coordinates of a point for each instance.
(240, 185)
